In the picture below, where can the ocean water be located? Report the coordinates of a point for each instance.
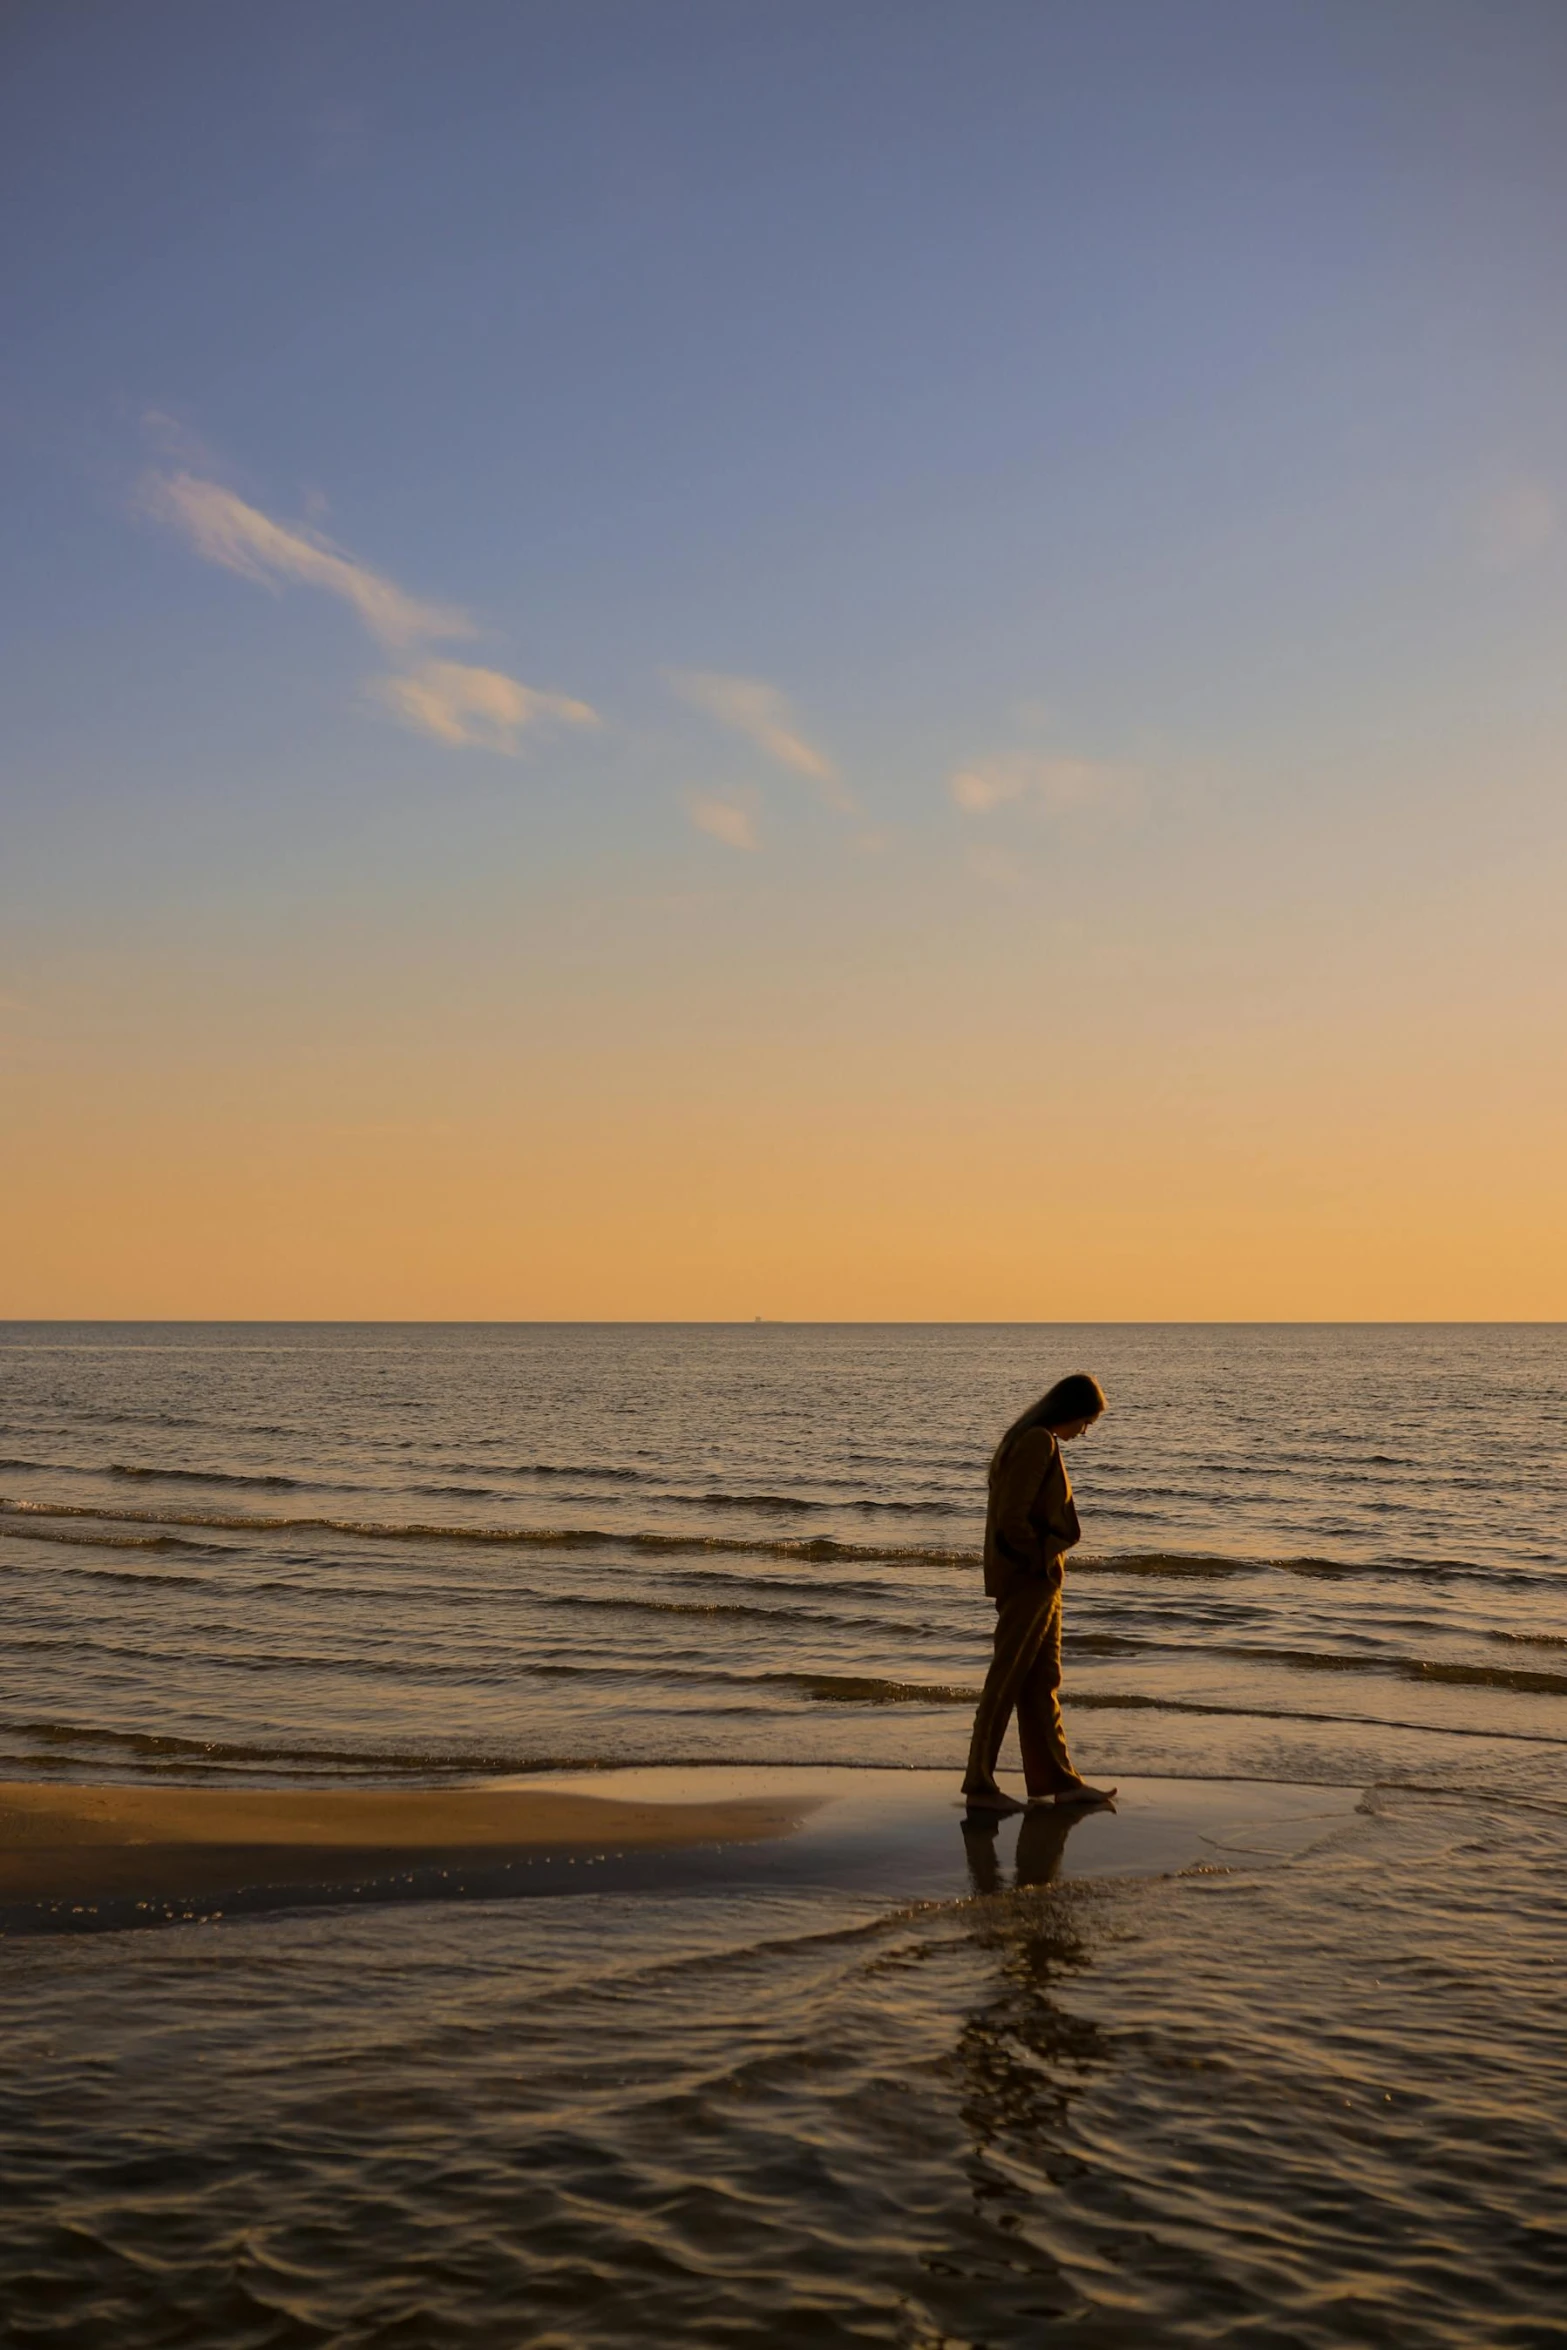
(1314, 2100)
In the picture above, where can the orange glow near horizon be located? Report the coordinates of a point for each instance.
(905, 1140)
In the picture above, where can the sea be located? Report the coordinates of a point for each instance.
(1316, 2099)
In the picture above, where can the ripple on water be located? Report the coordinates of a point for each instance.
(693, 2120)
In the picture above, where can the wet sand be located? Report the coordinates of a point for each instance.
(75, 1856)
(70, 1850)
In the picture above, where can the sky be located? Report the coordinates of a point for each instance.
(830, 659)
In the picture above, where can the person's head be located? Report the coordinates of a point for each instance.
(1073, 1404)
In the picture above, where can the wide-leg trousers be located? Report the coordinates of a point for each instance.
(1025, 1678)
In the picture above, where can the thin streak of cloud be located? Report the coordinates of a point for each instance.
(450, 701)
(477, 709)
(752, 707)
(224, 530)
(732, 821)
(1058, 785)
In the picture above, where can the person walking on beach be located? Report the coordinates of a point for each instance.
(1030, 1525)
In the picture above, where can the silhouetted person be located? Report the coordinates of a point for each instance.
(1030, 1525)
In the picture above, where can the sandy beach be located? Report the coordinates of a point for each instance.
(150, 1846)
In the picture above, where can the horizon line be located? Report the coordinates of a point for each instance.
(768, 1322)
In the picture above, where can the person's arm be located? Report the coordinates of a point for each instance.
(1055, 1512)
(1053, 1517)
(1028, 1530)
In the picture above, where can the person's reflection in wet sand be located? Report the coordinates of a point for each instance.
(1041, 1841)
(1023, 2058)
(980, 1831)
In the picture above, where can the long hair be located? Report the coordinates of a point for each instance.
(1076, 1397)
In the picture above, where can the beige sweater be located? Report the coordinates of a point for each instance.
(1032, 1518)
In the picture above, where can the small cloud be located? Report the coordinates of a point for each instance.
(1058, 785)
(762, 714)
(240, 538)
(733, 821)
(1519, 520)
(479, 709)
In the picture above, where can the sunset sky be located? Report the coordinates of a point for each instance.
(815, 658)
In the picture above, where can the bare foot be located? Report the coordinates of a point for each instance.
(1083, 1793)
(991, 1799)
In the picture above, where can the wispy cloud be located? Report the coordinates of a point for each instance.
(479, 709)
(1518, 520)
(1056, 784)
(451, 701)
(733, 820)
(762, 714)
(224, 530)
